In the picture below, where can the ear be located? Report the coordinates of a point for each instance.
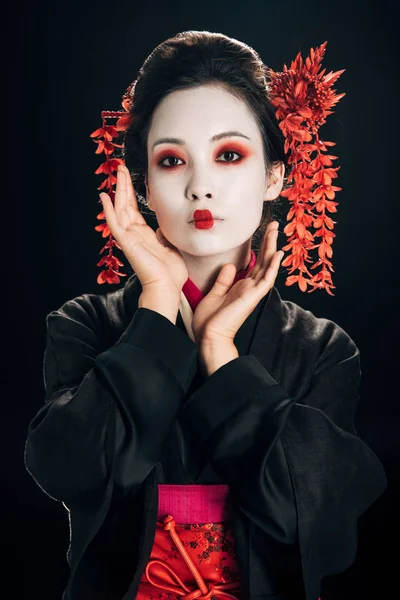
(275, 181)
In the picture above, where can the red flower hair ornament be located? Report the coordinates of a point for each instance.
(303, 97)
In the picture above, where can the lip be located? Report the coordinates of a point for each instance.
(212, 219)
(204, 215)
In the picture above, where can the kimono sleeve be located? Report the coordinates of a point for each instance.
(336, 476)
(243, 421)
(107, 408)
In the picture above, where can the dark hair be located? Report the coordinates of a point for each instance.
(190, 59)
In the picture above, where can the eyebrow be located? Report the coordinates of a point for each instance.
(215, 138)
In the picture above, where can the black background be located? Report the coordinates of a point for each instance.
(67, 62)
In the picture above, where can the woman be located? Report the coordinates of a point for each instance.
(198, 428)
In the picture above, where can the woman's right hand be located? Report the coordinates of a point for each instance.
(157, 263)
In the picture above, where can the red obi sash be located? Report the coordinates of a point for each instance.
(193, 559)
(193, 554)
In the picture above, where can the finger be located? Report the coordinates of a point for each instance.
(120, 192)
(131, 198)
(268, 244)
(122, 216)
(224, 280)
(109, 212)
(270, 247)
(127, 213)
(271, 272)
(264, 284)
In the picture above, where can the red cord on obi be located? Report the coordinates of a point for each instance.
(180, 564)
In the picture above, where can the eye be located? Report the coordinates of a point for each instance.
(168, 158)
(171, 157)
(231, 152)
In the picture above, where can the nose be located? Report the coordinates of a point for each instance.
(199, 186)
(199, 195)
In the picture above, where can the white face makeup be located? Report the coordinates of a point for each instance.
(226, 176)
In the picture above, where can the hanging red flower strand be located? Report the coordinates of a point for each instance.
(303, 98)
(105, 135)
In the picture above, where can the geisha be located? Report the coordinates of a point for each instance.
(198, 428)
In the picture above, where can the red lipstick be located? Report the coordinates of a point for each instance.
(203, 219)
(202, 215)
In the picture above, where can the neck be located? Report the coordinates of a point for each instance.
(204, 270)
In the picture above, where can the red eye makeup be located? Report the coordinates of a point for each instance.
(166, 153)
(235, 148)
(240, 150)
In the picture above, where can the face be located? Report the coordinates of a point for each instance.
(213, 160)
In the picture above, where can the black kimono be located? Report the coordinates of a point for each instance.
(127, 408)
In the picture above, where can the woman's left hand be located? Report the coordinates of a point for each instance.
(224, 309)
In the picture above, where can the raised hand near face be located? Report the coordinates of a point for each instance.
(224, 309)
(156, 262)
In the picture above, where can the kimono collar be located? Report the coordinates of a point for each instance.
(194, 295)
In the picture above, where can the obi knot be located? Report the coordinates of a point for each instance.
(161, 575)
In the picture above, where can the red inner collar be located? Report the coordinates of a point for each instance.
(194, 295)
